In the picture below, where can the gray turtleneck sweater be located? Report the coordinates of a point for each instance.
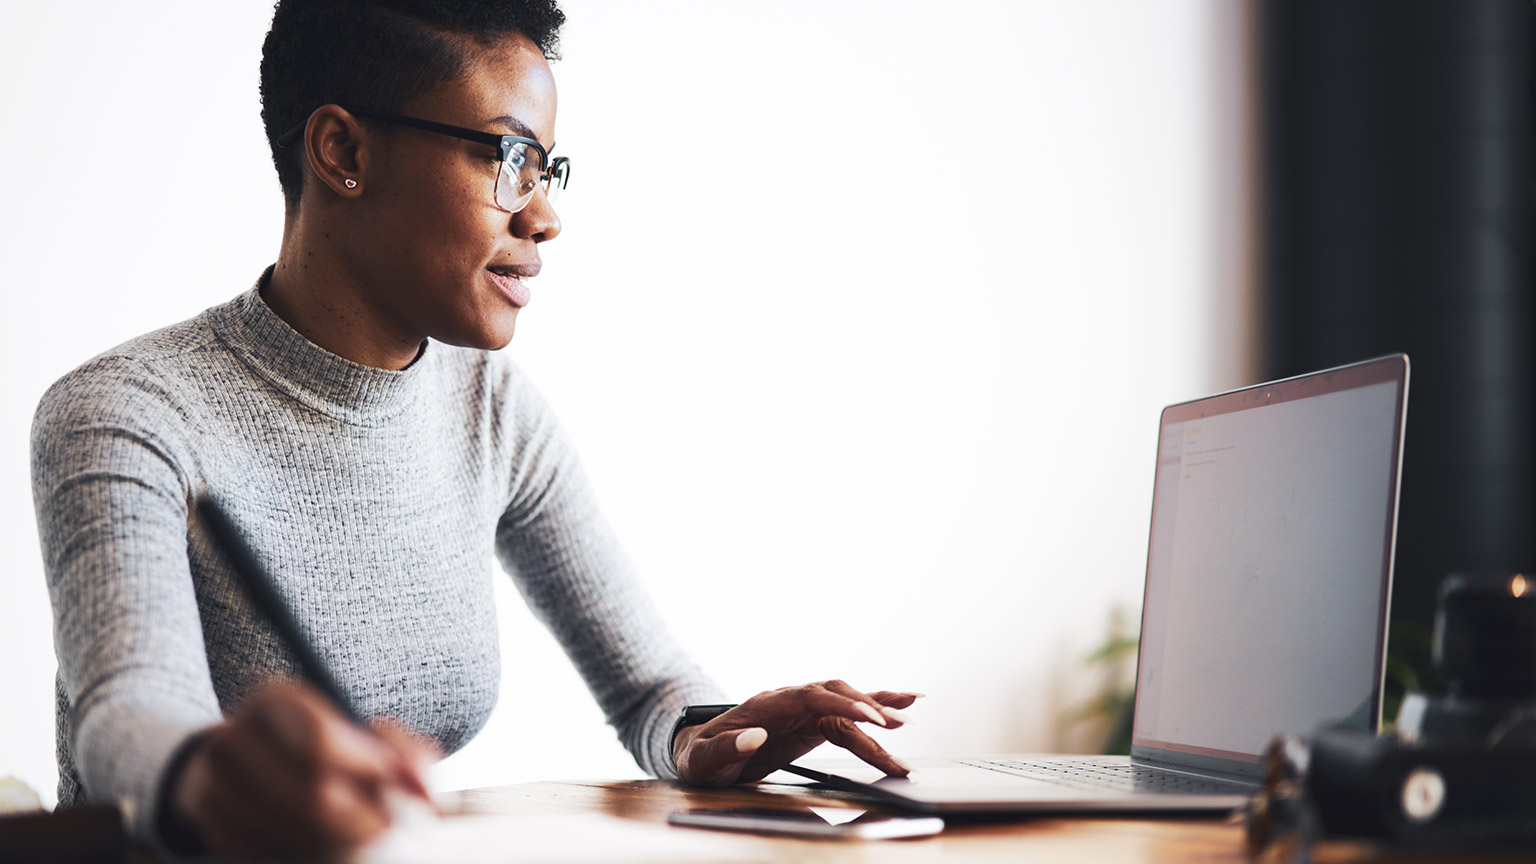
(377, 498)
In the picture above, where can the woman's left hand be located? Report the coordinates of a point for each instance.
(773, 729)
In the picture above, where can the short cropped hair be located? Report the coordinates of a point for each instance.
(377, 55)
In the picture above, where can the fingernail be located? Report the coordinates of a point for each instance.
(902, 764)
(872, 714)
(918, 695)
(894, 714)
(751, 739)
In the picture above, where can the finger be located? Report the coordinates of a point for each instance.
(239, 825)
(856, 741)
(896, 698)
(416, 753)
(352, 815)
(717, 760)
(204, 801)
(330, 808)
(825, 701)
(889, 711)
(868, 706)
(892, 701)
(245, 776)
(306, 731)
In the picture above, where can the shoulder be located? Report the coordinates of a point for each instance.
(141, 385)
(152, 362)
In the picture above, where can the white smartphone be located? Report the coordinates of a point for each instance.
(805, 822)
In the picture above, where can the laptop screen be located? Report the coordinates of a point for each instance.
(1269, 565)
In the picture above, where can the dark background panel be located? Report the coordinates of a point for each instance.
(1397, 142)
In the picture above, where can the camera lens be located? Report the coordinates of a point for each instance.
(1485, 635)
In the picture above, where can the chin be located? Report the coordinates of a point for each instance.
(487, 336)
(499, 334)
(500, 342)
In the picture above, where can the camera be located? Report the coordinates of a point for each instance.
(1458, 771)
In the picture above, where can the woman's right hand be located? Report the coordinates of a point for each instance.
(288, 776)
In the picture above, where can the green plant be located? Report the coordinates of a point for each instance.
(1410, 666)
(1113, 706)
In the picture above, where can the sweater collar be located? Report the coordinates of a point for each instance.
(310, 374)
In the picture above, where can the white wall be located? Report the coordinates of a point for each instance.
(862, 316)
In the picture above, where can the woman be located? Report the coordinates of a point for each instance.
(350, 412)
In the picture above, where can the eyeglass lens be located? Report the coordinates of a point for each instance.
(521, 174)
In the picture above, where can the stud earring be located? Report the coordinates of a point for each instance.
(350, 183)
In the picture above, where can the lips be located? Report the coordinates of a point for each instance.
(512, 280)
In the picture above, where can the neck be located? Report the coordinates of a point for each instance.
(316, 292)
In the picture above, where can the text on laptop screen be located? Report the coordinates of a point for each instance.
(1267, 568)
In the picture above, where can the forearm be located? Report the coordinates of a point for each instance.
(112, 523)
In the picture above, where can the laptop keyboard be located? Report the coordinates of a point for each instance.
(1113, 776)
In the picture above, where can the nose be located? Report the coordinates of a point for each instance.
(537, 221)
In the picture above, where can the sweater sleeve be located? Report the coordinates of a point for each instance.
(575, 577)
(111, 494)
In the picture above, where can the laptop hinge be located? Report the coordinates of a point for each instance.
(1206, 773)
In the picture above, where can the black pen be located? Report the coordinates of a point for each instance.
(262, 591)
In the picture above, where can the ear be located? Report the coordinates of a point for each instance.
(339, 150)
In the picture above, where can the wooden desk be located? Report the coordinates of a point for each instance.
(1037, 840)
(1033, 840)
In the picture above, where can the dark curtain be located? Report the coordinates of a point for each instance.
(1398, 217)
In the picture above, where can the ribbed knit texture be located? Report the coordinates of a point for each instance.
(377, 498)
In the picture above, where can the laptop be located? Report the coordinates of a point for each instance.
(1269, 576)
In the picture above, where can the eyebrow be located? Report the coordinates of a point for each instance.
(517, 126)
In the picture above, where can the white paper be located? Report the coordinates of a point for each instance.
(574, 839)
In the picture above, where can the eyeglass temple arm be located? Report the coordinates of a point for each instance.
(287, 138)
(494, 140)
(560, 169)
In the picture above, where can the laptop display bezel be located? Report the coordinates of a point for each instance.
(1392, 368)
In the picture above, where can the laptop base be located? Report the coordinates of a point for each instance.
(960, 786)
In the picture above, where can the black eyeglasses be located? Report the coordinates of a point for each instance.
(525, 164)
